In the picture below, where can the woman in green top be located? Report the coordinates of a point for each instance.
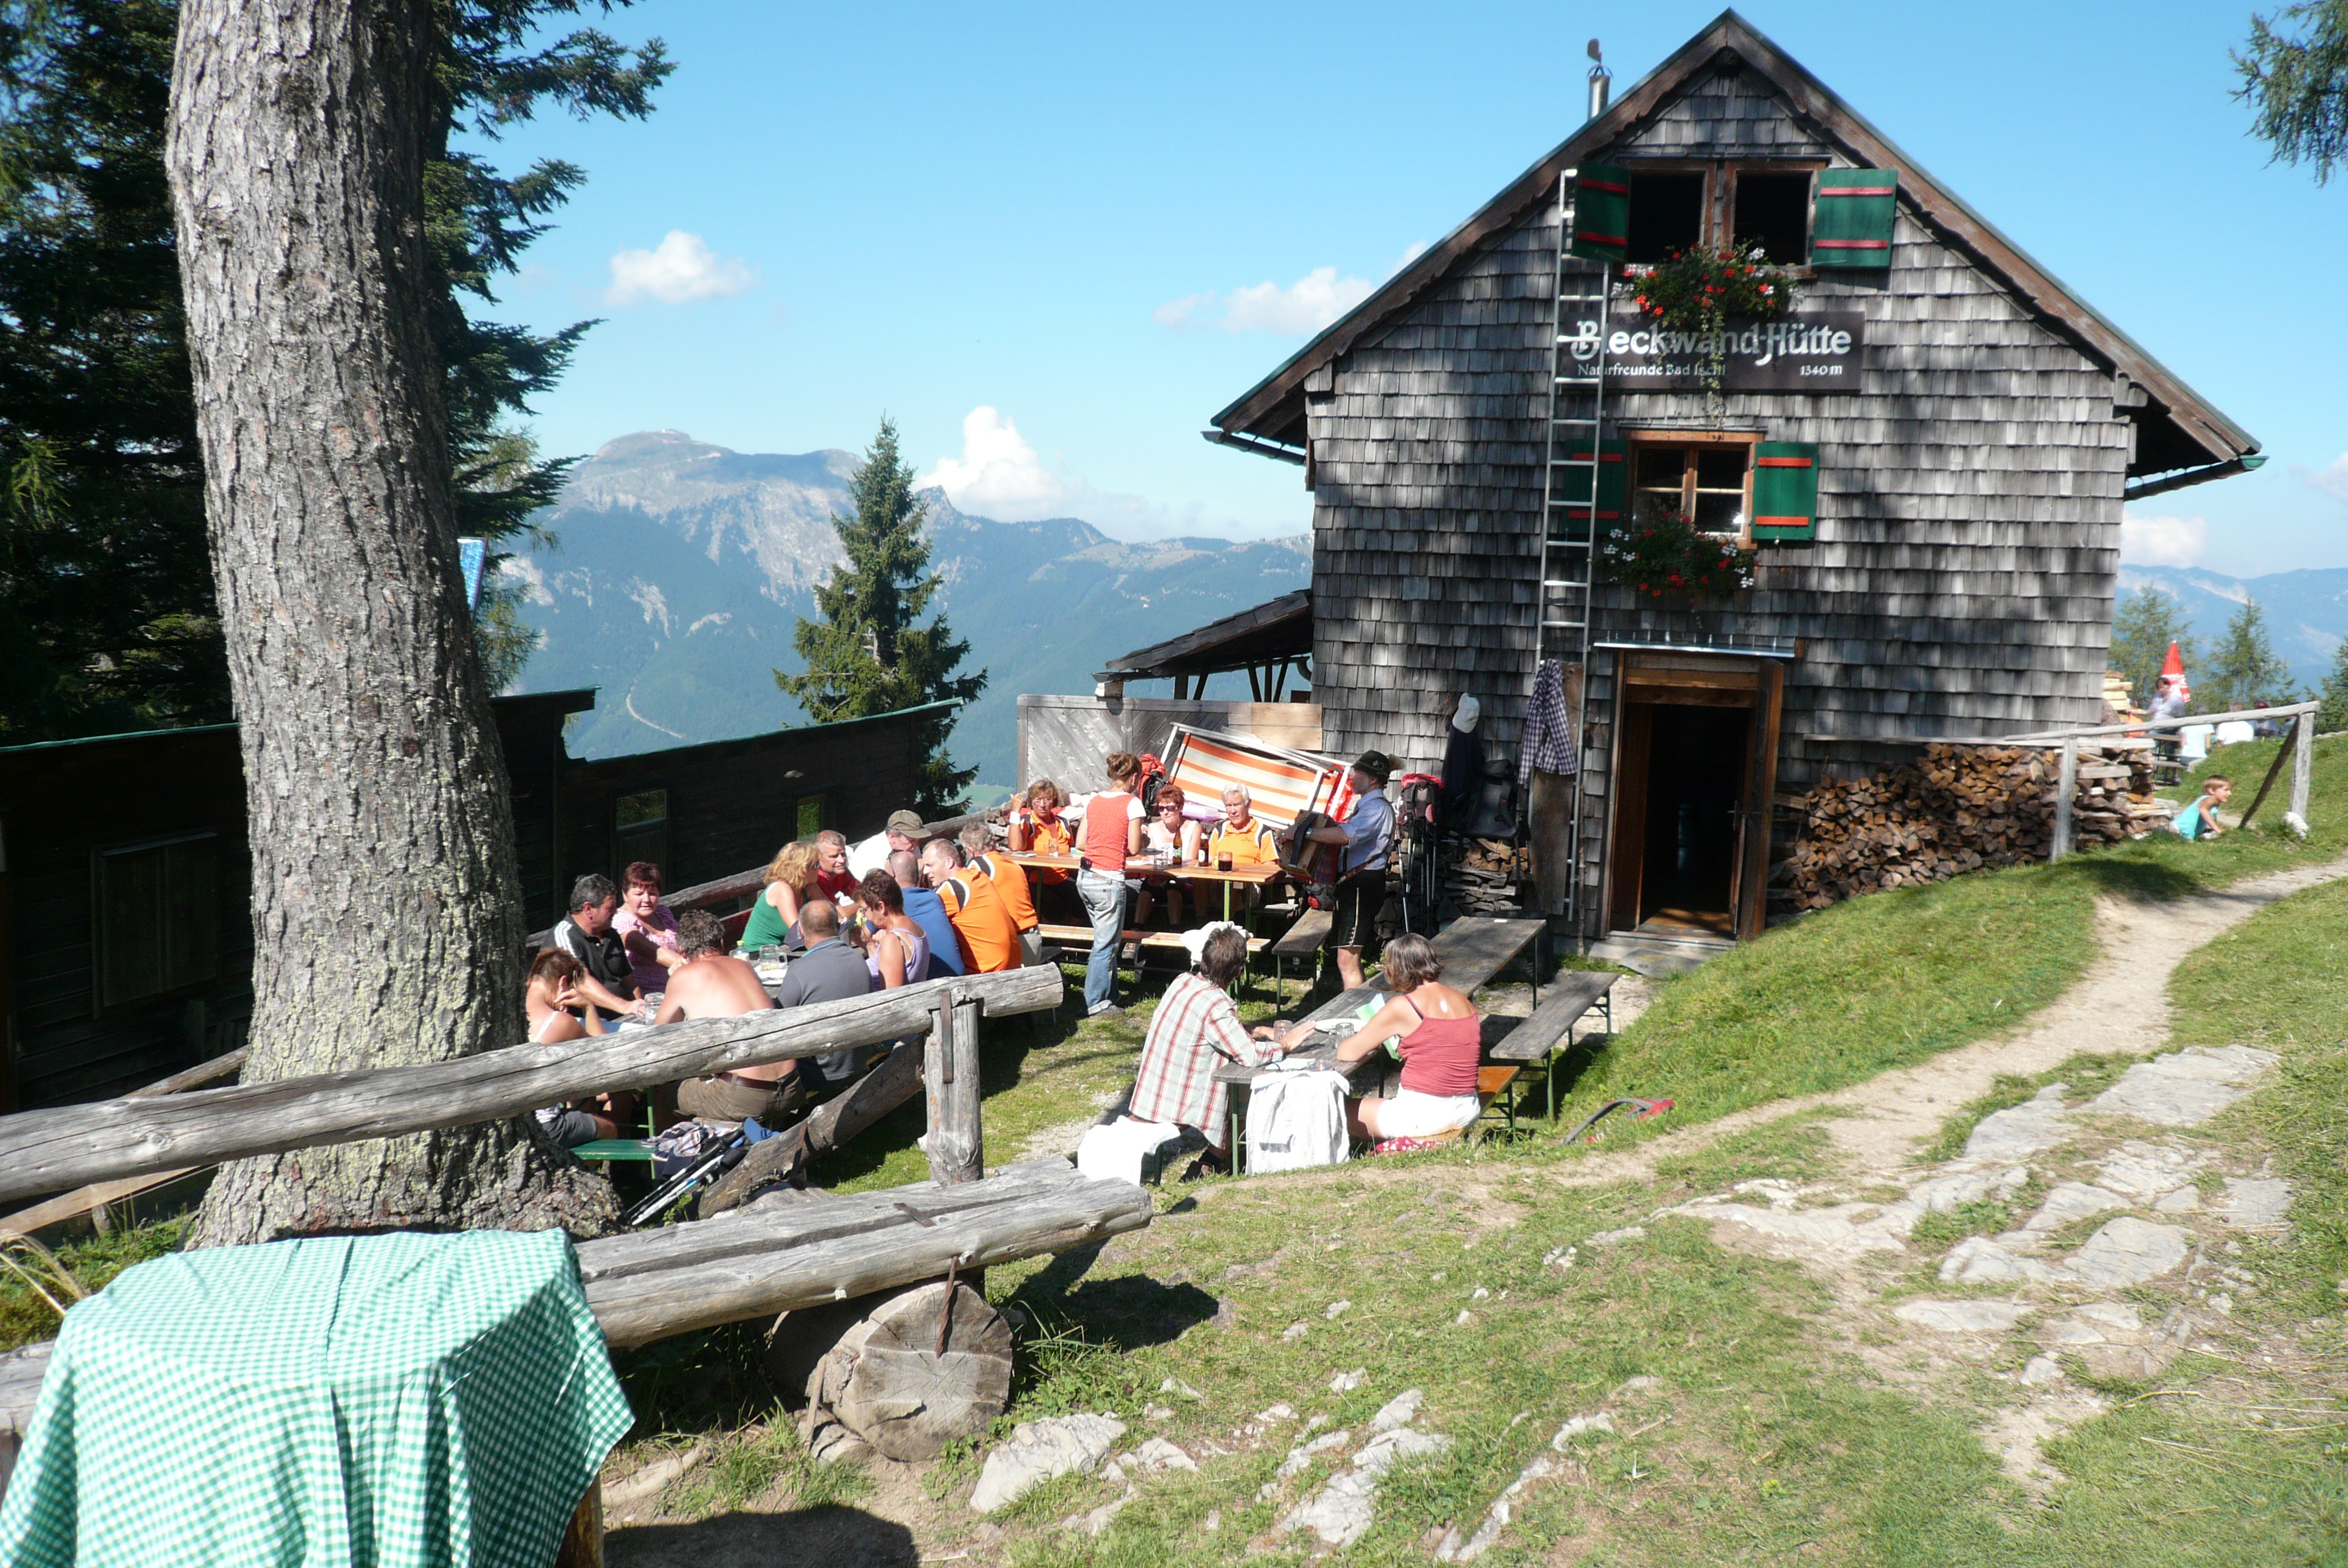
(790, 880)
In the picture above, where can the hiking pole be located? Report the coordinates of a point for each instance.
(1645, 1109)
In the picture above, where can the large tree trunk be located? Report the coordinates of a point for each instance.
(385, 901)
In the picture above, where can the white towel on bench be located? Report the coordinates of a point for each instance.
(1114, 1150)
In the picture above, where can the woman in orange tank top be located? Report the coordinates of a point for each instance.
(1442, 1042)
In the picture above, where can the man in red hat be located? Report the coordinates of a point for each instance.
(2170, 694)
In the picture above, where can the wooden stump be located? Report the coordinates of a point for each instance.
(886, 1381)
(582, 1538)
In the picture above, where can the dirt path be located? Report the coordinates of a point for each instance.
(2119, 1005)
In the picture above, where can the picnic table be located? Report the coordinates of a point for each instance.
(1141, 865)
(374, 1401)
(1476, 948)
(1320, 1053)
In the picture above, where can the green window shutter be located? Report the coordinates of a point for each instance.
(1602, 212)
(1785, 490)
(1853, 224)
(1613, 485)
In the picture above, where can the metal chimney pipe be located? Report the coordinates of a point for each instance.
(1602, 81)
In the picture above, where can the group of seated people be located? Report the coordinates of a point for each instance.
(930, 909)
(1197, 1029)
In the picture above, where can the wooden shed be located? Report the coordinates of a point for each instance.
(126, 932)
(1928, 457)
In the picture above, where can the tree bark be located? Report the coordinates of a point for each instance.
(387, 912)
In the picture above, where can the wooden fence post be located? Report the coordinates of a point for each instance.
(2066, 786)
(954, 1145)
(2303, 769)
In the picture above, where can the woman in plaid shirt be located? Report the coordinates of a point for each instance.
(1195, 1029)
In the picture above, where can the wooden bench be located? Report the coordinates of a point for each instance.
(1081, 937)
(1546, 1034)
(1305, 939)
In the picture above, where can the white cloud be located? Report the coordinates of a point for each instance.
(2331, 479)
(1300, 310)
(999, 475)
(2163, 541)
(680, 271)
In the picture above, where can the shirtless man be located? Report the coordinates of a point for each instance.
(714, 984)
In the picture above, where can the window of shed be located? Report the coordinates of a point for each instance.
(157, 919)
(1704, 481)
(1773, 211)
(1666, 215)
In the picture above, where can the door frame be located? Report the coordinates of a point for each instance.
(1723, 678)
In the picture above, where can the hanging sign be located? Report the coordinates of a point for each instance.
(1811, 351)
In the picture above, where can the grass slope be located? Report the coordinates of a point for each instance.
(1883, 982)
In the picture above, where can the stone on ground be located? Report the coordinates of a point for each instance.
(1601, 1422)
(2128, 1251)
(2254, 1201)
(2186, 1088)
(2069, 1202)
(2040, 1370)
(1962, 1317)
(2020, 1131)
(1977, 1260)
(1038, 1451)
(1157, 1454)
(1342, 1512)
(1347, 1382)
(1397, 1411)
(2141, 1170)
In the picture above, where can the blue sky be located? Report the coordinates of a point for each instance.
(1052, 241)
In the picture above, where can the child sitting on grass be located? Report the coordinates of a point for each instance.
(2199, 820)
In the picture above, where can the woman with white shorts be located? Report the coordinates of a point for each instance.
(1442, 1042)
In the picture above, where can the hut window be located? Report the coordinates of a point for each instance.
(640, 828)
(814, 812)
(1666, 215)
(1706, 481)
(1773, 211)
(158, 917)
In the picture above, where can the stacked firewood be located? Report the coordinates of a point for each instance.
(1960, 808)
(1482, 876)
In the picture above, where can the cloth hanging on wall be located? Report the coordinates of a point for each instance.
(1549, 744)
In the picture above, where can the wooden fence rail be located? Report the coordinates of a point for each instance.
(47, 1151)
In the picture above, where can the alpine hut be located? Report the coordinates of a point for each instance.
(1927, 457)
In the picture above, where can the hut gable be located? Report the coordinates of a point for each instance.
(1723, 114)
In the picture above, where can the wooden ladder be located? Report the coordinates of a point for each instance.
(1571, 488)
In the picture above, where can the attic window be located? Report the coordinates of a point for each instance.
(1773, 211)
(1666, 215)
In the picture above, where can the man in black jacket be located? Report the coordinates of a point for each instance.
(608, 980)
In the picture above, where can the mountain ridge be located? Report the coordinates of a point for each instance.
(682, 567)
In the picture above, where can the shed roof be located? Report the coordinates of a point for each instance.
(1277, 630)
(2181, 427)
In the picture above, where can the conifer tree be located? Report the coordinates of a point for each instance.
(866, 655)
(2294, 73)
(2244, 671)
(108, 619)
(2146, 621)
(2333, 715)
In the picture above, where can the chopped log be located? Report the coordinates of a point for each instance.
(928, 1366)
(835, 1122)
(47, 1151)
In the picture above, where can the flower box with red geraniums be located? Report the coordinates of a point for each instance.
(1666, 559)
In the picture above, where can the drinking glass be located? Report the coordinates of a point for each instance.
(1223, 861)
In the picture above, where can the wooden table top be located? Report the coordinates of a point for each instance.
(1323, 1052)
(1475, 948)
(1140, 867)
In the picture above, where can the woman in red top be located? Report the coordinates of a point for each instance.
(1112, 832)
(1442, 1042)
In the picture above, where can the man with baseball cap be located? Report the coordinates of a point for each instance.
(1368, 837)
(903, 831)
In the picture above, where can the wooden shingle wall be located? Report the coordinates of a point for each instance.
(1967, 552)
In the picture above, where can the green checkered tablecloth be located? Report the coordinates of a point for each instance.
(388, 1401)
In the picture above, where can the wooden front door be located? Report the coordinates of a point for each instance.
(1695, 765)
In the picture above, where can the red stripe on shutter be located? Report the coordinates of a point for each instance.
(1598, 239)
(1782, 461)
(1781, 522)
(1602, 457)
(1858, 190)
(1851, 244)
(1586, 183)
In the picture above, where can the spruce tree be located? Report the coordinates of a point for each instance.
(108, 619)
(2333, 715)
(2145, 622)
(866, 655)
(2244, 672)
(2294, 74)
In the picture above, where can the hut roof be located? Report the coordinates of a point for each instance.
(2181, 429)
(1276, 629)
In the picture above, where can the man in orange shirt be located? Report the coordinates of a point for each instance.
(984, 928)
(1010, 885)
(1248, 842)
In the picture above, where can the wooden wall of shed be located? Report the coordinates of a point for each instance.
(730, 807)
(61, 807)
(1967, 550)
